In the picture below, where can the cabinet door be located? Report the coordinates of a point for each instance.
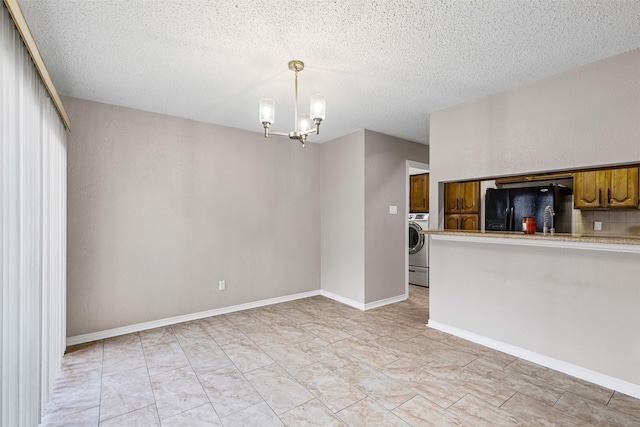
(451, 197)
(419, 193)
(469, 222)
(589, 189)
(452, 222)
(470, 197)
(623, 188)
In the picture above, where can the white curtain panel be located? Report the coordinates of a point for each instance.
(33, 184)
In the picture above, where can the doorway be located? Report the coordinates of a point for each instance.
(414, 168)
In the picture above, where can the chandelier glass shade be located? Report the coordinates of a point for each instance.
(303, 122)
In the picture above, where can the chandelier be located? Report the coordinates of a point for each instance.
(302, 122)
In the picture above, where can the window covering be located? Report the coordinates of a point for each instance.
(33, 157)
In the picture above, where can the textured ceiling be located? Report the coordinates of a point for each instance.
(383, 65)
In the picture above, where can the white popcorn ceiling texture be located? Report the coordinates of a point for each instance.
(383, 65)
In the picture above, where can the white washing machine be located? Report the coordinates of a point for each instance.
(418, 249)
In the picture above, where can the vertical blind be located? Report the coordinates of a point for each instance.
(32, 234)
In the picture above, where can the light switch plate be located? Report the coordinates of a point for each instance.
(393, 210)
(597, 225)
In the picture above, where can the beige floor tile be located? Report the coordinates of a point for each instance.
(125, 392)
(534, 412)
(259, 333)
(83, 357)
(75, 390)
(87, 417)
(594, 413)
(311, 414)
(157, 336)
(481, 386)
(366, 352)
(206, 356)
(202, 416)
(291, 333)
(577, 386)
(256, 415)
(164, 357)
(147, 417)
(486, 353)
(404, 349)
(278, 388)
(328, 387)
(477, 412)
(435, 334)
(239, 317)
(532, 387)
(287, 355)
(327, 333)
(310, 359)
(177, 391)
(246, 355)
(128, 340)
(626, 404)
(190, 333)
(331, 357)
(124, 357)
(367, 413)
(223, 332)
(229, 391)
(414, 375)
(382, 389)
(420, 411)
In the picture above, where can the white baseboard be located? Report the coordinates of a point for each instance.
(343, 300)
(558, 365)
(110, 333)
(362, 306)
(387, 301)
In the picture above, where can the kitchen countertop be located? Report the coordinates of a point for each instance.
(622, 243)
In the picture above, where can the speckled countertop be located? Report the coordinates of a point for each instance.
(619, 240)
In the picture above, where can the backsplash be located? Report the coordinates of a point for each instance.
(622, 222)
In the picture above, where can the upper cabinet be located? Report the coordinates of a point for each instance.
(419, 193)
(462, 197)
(613, 188)
(462, 205)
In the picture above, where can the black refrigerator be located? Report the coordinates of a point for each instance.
(505, 207)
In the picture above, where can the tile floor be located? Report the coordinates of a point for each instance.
(317, 362)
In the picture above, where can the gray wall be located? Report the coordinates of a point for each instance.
(577, 306)
(385, 235)
(161, 208)
(343, 204)
(584, 117)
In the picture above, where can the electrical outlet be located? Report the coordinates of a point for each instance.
(597, 225)
(222, 285)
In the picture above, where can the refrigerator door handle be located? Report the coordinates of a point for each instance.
(506, 219)
(511, 224)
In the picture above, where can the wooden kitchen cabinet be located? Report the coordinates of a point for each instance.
(611, 188)
(419, 193)
(462, 197)
(461, 222)
(462, 205)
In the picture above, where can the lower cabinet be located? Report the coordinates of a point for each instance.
(462, 222)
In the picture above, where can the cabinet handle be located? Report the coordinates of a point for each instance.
(457, 224)
(608, 196)
(600, 197)
(462, 204)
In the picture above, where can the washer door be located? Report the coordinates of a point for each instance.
(416, 240)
